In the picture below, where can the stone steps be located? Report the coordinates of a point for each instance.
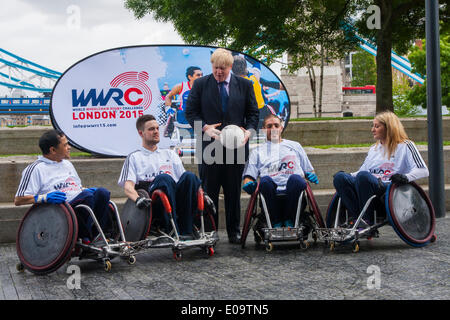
(355, 131)
(10, 215)
(105, 172)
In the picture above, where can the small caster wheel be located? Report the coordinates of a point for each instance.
(433, 238)
(355, 247)
(269, 247)
(20, 267)
(332, 245)
(177, 255)
(107, 265)
(210, 251)
(304, 244)
(314, 236)
(131, 260)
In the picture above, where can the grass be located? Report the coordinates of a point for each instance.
(27, 125)
(325, 146)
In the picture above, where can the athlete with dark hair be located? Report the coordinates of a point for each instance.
(282, 166)
(53, 179)
(151, 168)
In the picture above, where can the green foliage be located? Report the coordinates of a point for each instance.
(263, 29)
(402, 21)
(418, 95)
(364, 71)
(406, 19)
(403, 106)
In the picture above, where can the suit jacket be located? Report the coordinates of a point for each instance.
(203, 104)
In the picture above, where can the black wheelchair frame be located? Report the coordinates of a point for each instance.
(339, 230)
(305, 221)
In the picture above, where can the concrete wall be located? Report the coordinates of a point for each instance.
(299, 90)
(105, 172)
(25, 140)
(354, 131)
(361, 105)
(22, 140)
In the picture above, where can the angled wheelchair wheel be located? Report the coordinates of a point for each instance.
(331, 212)
(314, 207)
(411, 214)
(135, 221)
(46, 237)
(112, 229)
(250, 213)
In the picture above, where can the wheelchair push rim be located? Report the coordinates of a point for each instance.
(46, 237)
(410, 214)
(248, 215)
(314, 207)
(136, 222)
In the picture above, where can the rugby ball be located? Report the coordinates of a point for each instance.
(232, 137)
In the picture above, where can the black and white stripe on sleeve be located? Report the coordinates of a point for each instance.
(26, 178)
(126, 168)
(415, 154)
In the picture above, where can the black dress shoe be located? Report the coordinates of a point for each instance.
(234, 238)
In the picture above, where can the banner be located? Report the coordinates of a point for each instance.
(96, 101)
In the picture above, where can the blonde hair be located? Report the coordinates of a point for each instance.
(222, 57)
(395, 132)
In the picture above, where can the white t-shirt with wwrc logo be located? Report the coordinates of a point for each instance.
(144, 165)
(44, 176)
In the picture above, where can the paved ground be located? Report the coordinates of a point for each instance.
(251, 274)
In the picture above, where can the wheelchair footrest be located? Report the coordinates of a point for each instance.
(283, 234)
(335, 234)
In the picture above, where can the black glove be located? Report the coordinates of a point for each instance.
(142, 202)
(399, 179)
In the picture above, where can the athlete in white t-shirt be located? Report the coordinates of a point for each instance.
(282, 166)
(392, 158)
(53, 179)
(151, 168)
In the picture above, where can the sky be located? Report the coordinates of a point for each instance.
(58, 33)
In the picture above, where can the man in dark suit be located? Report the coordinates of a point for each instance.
(215, 101)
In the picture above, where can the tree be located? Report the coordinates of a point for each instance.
(323, 41)
(308, 30)
(364, 69)
(402, 21)
(418, 95)
(402, 106)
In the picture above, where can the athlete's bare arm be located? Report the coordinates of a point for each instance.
(20, 201)
(175, 90)
(130, 191)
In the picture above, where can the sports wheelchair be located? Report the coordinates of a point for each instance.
(146, 227)
(306, 221)
(47, 238)
(406, 208)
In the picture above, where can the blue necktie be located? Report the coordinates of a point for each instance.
(223, 95)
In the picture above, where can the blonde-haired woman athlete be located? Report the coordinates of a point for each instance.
(392, 158)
